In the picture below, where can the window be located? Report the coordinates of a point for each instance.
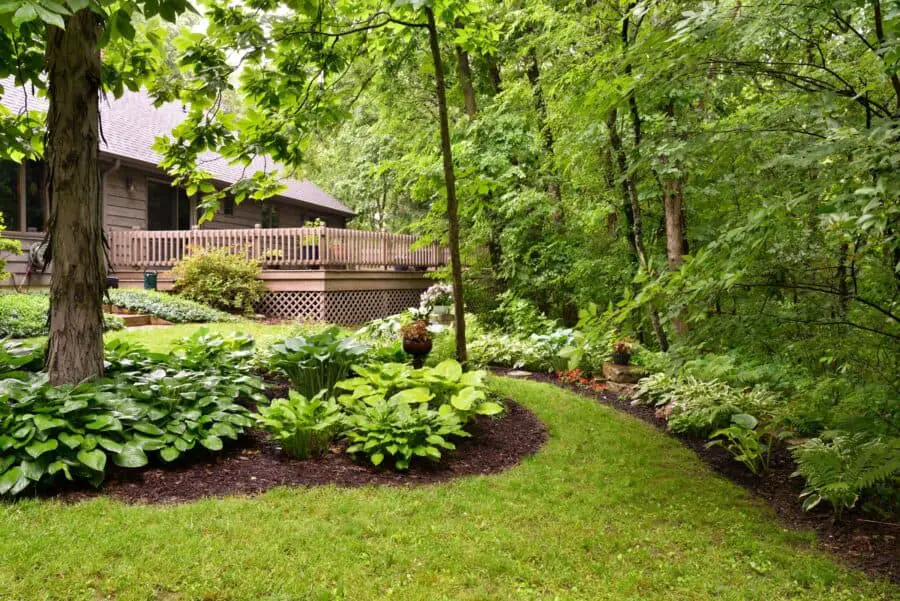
(270, 217)
(22, 196)
(168, 208)
(228, 205)
(9, 194)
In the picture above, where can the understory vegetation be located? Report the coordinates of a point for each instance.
(25, 315)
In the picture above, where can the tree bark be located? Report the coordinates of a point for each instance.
(450, 183)
(534, 78)
(464, 71)
(75, 348)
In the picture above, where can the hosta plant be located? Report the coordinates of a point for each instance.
(746, 443)
(18, 360)
(445, 387)
(202, 351)
(68, 430)
(304, 427)
(316, 362)
(401, 432)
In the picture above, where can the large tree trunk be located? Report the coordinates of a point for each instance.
(450, 183)
(75, 351)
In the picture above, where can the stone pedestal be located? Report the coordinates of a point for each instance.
(623, 374)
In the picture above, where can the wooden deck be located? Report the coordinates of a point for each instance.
(324, 274)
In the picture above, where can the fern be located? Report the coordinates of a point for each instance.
(840, 466)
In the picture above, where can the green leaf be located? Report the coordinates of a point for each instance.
(148, 428)
(213, 443)
(170, 454)
(449, 369)
(377, 458)
(110, 445)
(744, 420)
(95, 460)
(73, 441)
(489, 408)
(43, 422)
(33, 470)
(412, 396)
(25, 14)
(131, 455)
(36, 449)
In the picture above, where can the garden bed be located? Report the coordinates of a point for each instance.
(255, 464)
(870, 542)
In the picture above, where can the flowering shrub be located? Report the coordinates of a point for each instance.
(437, 294)
(576, 377)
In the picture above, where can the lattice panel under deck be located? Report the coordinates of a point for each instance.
(293, 305)
(360, 306)
(348, 307)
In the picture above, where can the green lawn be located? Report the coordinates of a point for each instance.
(609, 509)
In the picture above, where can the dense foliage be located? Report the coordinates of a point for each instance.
(25, 315)
(149, 403)
(317, 361)
(304, 427)
(224, 278)
(166, 306)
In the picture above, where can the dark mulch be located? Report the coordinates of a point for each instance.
(869, 542)
(254, 464)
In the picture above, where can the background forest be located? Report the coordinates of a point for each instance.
(720, 179)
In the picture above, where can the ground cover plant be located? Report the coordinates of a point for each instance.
(171, 307)
(148, 403)
(25, 315)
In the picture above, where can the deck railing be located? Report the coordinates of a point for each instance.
(291, 248)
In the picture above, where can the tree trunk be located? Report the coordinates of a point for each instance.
(75, 348)
(464, 70)
(534, 78)
(633, 213)
(450, 183)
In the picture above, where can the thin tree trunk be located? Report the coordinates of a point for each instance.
(494, 76)
(450, 183)
(673, 211)
(464, 71)
(534, 78)
(629, 191)
(75, 349)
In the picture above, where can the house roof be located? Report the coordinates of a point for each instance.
(131, 124)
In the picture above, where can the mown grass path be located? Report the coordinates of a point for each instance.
(609, 509)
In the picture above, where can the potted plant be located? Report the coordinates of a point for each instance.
(621, 354)
(416, 341)
(438, 298)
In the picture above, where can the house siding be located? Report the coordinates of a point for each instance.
(124, 206)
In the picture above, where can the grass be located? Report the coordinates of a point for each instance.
(609, 509)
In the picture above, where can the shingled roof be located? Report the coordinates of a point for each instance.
(131, 125)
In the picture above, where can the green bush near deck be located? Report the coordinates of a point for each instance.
(25, 316)
(167, 306)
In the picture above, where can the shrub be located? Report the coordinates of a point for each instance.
(223, 278)
(166, 306)
(25, 315)
(304, 427)
(398, 430)
(839, 467)
(444, 387)
(437, 294)
(316, 362)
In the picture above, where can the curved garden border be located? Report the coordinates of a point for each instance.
(255, 464)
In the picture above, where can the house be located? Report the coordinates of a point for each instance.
(325, 272)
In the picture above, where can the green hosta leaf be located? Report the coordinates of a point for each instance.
(148, 444)
(466, 398)
(213, 443)
(449, 369)
(148, 428)
(170, 454)
(59, 466)
(412, 396)
(73, 405)
(33, 470)
(377, 458)
(183, 445)
(44, 422)
(131, 455)
(473, 378)
(73, 441)
(489, 408)
(104, 422)
(11, 482)
(110, 445)
(95, 460)
(36, 449)
(744, 420)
